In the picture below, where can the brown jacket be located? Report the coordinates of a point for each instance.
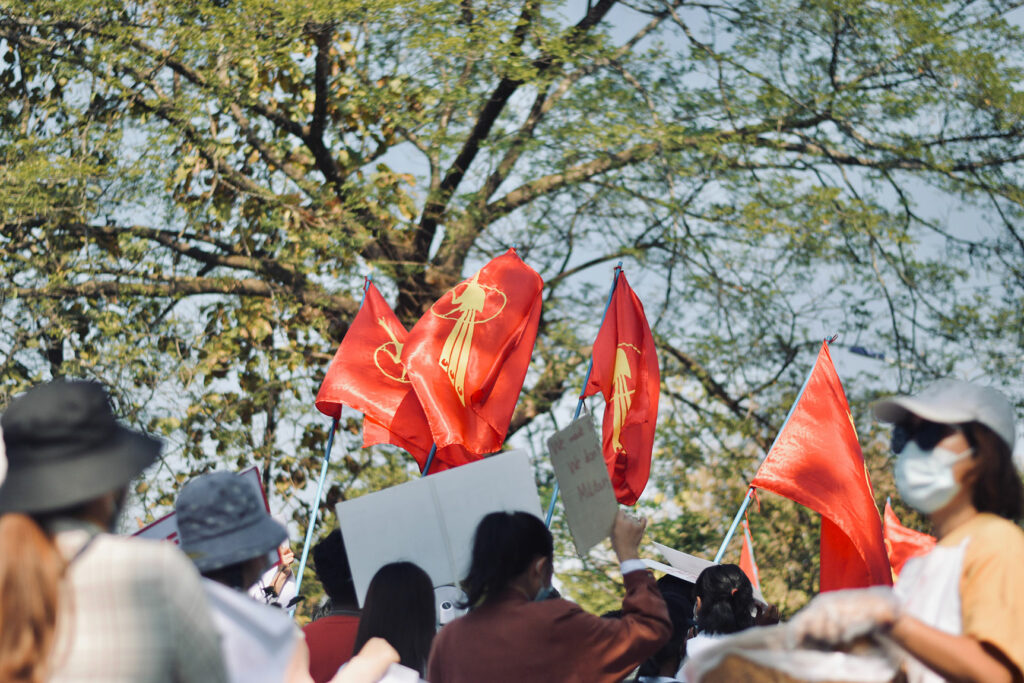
(513, 639)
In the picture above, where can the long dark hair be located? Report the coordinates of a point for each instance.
(997, 485)
(400, 609)
(726, 600)
(504, 545)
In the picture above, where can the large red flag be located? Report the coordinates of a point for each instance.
(367, 375)
(467, 356)
(626, 373)
(817, 462)
(901, 542)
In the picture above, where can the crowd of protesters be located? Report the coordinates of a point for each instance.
(80, 603)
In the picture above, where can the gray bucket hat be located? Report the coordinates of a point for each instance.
(953, 401)
(64, 447)
(222, 521)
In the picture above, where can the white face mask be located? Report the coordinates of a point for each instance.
(925, 478)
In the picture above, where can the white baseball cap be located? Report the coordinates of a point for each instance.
(953, 401)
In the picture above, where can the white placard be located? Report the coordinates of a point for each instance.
(431, 521)
(687, 567)
(166, 528)
(590, 505)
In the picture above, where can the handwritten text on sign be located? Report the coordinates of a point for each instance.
(582, 475)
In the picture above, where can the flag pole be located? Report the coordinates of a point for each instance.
(311, 526)
(315, 507)
(430, 459)
(750, 491)
(586, 379)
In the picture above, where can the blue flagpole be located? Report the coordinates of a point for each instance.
(586, 379)
(311, 526)
(750, 491)
(430, 459)
(314, 508)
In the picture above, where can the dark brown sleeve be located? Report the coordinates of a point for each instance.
(611, 648)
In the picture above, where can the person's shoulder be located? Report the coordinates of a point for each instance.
(991, 536)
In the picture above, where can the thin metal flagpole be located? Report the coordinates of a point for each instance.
(430, 459)
(315, 507)
(311, 526)
(586, 379)
(750, 491)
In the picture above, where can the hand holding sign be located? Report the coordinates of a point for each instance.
(626, 535)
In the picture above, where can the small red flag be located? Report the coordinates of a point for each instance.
(467, 356)
(901, 542)
(747, 563)
(817, 462)
(367, 375)
(627, 375)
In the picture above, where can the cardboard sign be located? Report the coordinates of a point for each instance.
(431, 521)
(590, 505)
(166, 528)
(687, 567)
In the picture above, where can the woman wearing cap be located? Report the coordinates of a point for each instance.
(957, 609)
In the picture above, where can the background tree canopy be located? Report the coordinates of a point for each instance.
(192, 193)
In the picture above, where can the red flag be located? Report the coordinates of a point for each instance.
(367, 375)
(467, 356)
(747, 563)
(817, 462)
(626, 373)
(901, 542)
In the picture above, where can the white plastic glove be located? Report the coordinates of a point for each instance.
(842, 616)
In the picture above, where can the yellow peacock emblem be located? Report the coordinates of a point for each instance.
(622, 394)
(473, 304)
(392, 366)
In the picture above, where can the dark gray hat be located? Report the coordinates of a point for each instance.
(222, 520)
(64, 447)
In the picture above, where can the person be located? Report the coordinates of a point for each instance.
(661, 667)
(512, 633)
(399, 608)
(955, 610)
(224, 527)
(723, 604)
(76, 602)
(276, 587)
(330, 638)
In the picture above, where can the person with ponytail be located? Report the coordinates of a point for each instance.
(723, 604)
(515, 632)
(76, 602)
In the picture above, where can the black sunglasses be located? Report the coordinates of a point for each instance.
(925, 434)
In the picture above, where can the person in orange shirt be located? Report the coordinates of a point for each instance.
(331, 637)
(956, 610)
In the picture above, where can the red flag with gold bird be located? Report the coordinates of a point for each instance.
(902, 542)
(467, 356)
(817, 462)
(626, 373)
(367, 375)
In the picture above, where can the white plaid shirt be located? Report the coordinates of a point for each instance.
(131, 611)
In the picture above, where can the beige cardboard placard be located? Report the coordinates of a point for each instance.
(587, 494)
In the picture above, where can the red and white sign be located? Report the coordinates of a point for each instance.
(166, 528)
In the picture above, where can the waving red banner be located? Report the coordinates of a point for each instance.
(902, 542)
(627, 375)
(367, 375)
(817, 462)
(467, 356)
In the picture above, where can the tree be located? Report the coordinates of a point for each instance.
(193, 192)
